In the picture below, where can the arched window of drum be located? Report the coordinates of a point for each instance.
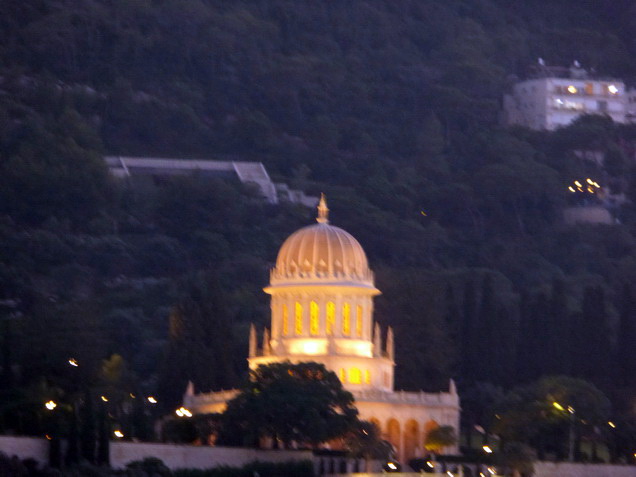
(285, 320)
(313, 318)
(359, 321)
(346, 319)
(331, 317)
(367, 376)
(298, 319)
(355, 376)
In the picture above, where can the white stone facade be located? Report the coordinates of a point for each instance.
(322, 310)
(552, 102)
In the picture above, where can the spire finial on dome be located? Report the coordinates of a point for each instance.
(323, 210)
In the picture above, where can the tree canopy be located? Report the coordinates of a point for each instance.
(303, 403)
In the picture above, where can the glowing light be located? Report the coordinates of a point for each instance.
(118, 433)
(48, 438)
(313, 318)
(449, 473)
(578, 184)
(104, 398)
(308, 346)
(132, 395)
(611, 424)
(355, 376)
(50, 405)
(571, 189)
(183, 412)
(423, 213)
(596, 185)
(570, 409)
(391, 466)
(298, 318)
(558, 406)
(73, 362)
(430, 464)
(487, 449)
(311, 347)
(491, 470)
(346, 319)
(285, 320)
(612, 89)
(152, 400)
(572, 89)
(590, 190)
(589, 181)
(331, 317)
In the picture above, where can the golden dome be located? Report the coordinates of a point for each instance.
(321, 253)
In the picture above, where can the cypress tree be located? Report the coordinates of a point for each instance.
(485, 334)
(594, 346)
(469, 345)
(87, 433)
(72, 449)
(626, 342)
(103, 441)
(453, 327)
(200, 347)
(6, 381)
(559, 344)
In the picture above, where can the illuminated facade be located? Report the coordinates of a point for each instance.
(322, 310)
(552, 102)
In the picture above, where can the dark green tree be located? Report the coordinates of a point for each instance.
(72, 447)
(200, 347)
(594, 348)
(88, 431)
(470, 340)
(286, 402)
(103, 437)
(365, 441)
(545, 412)
(626, 344)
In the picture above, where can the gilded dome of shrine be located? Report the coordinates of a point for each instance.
(321, 252)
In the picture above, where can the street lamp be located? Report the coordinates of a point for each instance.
(50, 405)
(183, 412)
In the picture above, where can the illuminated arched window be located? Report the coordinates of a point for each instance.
(346, 319)
(313, 318)
(359, 320)
(354, 376)
(331, 317)
(285, 320)
(341, 375)
(367, 376)
(299, 319)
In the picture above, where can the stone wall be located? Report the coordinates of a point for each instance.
(25, 448)
(173, 455)
(197, 457)
(565, 469)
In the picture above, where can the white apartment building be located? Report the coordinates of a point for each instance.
(551, 101)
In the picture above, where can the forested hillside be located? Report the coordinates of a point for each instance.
(389, 107)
